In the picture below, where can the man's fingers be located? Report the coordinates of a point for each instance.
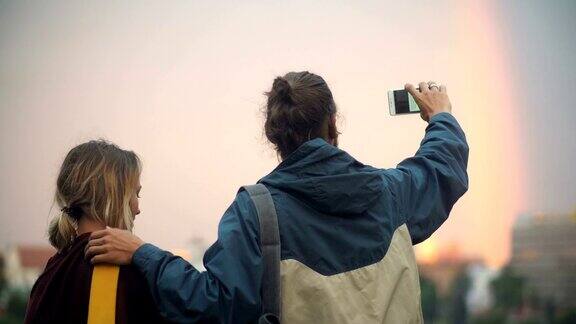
(443, 88)
(95, 250)
(96, 242)
(423, 87)
(423, 116)
(410, 88)
(101, 258)
(99, 234)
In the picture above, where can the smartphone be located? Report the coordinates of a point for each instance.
(401, 103)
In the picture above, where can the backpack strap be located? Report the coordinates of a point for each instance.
(270, 246)
(102, 306)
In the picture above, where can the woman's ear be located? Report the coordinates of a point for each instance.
(332, 130)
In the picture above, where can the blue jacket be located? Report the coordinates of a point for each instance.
(340, 224)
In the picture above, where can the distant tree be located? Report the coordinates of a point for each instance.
(2, 275)
(15, 306)
(12, 301)
(566, 317)
(429, 300)
(3, 291)
(10, 319)
(458, 310)
(508, 290)
(491, 317)
(17, 303)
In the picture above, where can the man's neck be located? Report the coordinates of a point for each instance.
(88, 224)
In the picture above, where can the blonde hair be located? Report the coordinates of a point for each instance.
(97, 179)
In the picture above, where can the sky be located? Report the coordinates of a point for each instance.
(182, 85)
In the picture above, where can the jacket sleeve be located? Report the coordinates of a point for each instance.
(427, 185)
(228, 291)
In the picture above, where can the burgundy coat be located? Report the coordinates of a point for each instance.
(62, 292)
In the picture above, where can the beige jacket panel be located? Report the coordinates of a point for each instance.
(384, 292)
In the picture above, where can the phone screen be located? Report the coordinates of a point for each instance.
(404, 102)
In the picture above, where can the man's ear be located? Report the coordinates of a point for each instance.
(333, 131)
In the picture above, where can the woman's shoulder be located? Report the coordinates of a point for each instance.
(61, 292)
(69, 262)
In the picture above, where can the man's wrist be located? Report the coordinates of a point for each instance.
(143, 254)
(438, 113)
(137, 245)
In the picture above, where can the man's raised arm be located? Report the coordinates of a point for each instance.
(427, 185)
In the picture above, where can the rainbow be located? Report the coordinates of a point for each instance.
(483, 98)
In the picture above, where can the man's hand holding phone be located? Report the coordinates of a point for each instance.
(431, 98)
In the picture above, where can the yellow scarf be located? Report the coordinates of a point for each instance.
(102, 307)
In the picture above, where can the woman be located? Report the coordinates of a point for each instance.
(346, 229)
(98, 186)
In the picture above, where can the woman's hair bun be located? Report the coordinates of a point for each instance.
(73, 211)
(282, 91)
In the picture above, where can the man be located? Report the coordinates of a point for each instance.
(346, 228)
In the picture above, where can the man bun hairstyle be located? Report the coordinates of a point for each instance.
(299, 108)
(283, 91)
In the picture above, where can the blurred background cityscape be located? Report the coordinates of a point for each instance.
(537, 284)
(181, 84)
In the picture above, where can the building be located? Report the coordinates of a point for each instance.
(479, 298)
(544, 252)
(444, 265)
(24, 263)
(461, 285)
